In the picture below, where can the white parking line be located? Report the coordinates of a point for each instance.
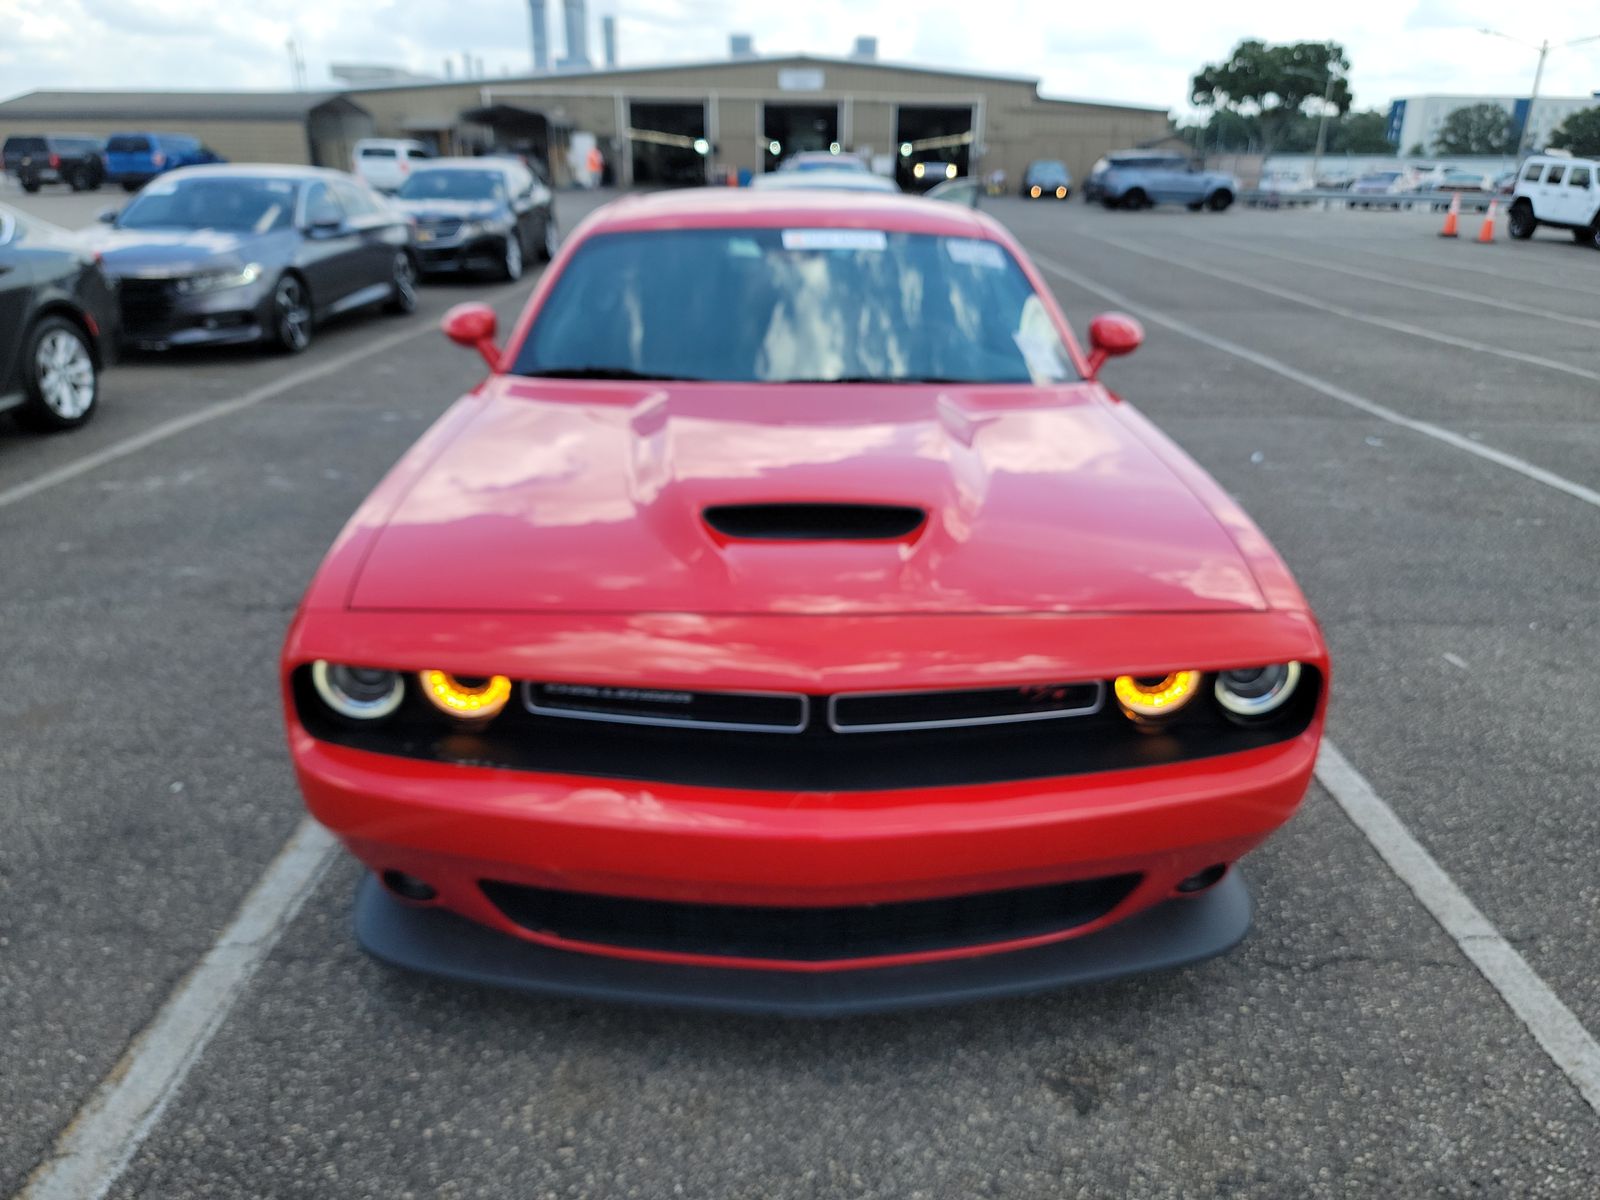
(96, 1147)
(1569, 1045)
(223, 408)
(1510, 461)
(1350, 314)
(1545, 314)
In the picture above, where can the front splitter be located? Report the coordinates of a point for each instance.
(437, 942)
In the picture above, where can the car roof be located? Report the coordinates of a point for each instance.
(256, 171)
(482, 162)
(722, 208)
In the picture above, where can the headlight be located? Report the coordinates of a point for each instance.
(361, 693)
(468, 698)
(1035, 191)
(1256, 691)
(1155, 696)
(1061, 193)
(950, 171)
(919, 170)
(220, 281)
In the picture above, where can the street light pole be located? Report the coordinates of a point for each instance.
(1322, 128)
(1544, 49)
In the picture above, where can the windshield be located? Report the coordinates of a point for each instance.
(1048, 171)
(448, 184)
(794, 305)
(236, 205)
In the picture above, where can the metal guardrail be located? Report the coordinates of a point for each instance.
(1335, 197)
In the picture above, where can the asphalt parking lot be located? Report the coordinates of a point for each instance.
(1412, 421)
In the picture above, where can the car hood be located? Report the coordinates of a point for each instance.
(163, 252)
(586, 497)
(466, 210)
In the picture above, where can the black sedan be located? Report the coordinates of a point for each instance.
(58, 323)
(222, 255)
(486, 214)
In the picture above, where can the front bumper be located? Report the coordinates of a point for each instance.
(470, 254)
(165, 321)
(1172, 934)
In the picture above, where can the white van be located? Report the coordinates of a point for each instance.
(385, 163)
(1558, 190)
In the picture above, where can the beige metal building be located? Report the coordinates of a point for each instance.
(687, 123)
(282, 127)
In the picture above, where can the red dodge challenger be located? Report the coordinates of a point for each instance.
(791, 622)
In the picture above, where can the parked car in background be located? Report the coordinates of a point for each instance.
(1046, 179)
(1560, 192)
(1450, 180)
(386, 163)
(837, 181)
(822, 160)
(58, 324)
(134, 159)
(1142, 178)
(75, 159)
(224, 255)
(1505, 183)
(1369, 190)
(478, 214)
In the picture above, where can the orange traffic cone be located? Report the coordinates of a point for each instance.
(1486, 230)
(1451, 217)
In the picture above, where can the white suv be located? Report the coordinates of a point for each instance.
(385, 163)
(1559, 191)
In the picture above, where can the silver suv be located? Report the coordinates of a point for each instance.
(1559, 191)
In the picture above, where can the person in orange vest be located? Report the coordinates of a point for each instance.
(596, 165)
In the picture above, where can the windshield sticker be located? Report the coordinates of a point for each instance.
(835, 239)
(975, 252)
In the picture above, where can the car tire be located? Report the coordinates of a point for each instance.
(402, 285)
(130, 187)
(1588, 237)
(1521, 223)
(30, 185)
(60, 379)
(291, 315)
(1219, 200)
(551, 239)
(74, 180)
(511, 263)
(1134, 199)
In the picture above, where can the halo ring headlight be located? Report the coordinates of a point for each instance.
(471, 701)
(360, 693)
(1257, 691)
(1148, 696)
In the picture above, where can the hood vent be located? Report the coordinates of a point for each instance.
(815, 522)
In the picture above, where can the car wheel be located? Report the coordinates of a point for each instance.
(30, 185)
(403, 288)
(130, 187)
(1588, 237)
(552, 238)
(1521, 223)
(60, 378)
(291, 315)
(511, 265)
(75, 181)
(1219, 200)
(1135, 199)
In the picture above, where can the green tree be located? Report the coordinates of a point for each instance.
(1579, 133)
(1477, 129)
(1361, 133)
(1274, 84)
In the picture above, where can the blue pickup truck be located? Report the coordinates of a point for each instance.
(134, 159)
(1141, 178)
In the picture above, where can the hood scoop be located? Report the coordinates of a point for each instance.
(815, 522)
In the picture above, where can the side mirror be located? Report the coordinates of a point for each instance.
(473, 325)
(108, 216)
(326, 227)
(1110, 336)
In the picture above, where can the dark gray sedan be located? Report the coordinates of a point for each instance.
(223, 255)
(58, 323)
(479, 214)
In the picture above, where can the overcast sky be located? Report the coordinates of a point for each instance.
(1141, 53)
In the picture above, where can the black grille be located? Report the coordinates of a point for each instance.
(146, 303)
(870, 712)
(811, 934)
(814, 522)
(440, 227)
(759, 711)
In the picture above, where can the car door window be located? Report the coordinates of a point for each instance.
(355, 200)
(322, 206)
(1534, 170)
(1579, 178)
(1555, 174)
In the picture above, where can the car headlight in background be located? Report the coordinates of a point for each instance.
(220, 281)
(1148, 696)
(1061, 193)
(468, 698)
(920, 170)
(1035, 191)
(1257, 691)
(950, 171)
(360, 693)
